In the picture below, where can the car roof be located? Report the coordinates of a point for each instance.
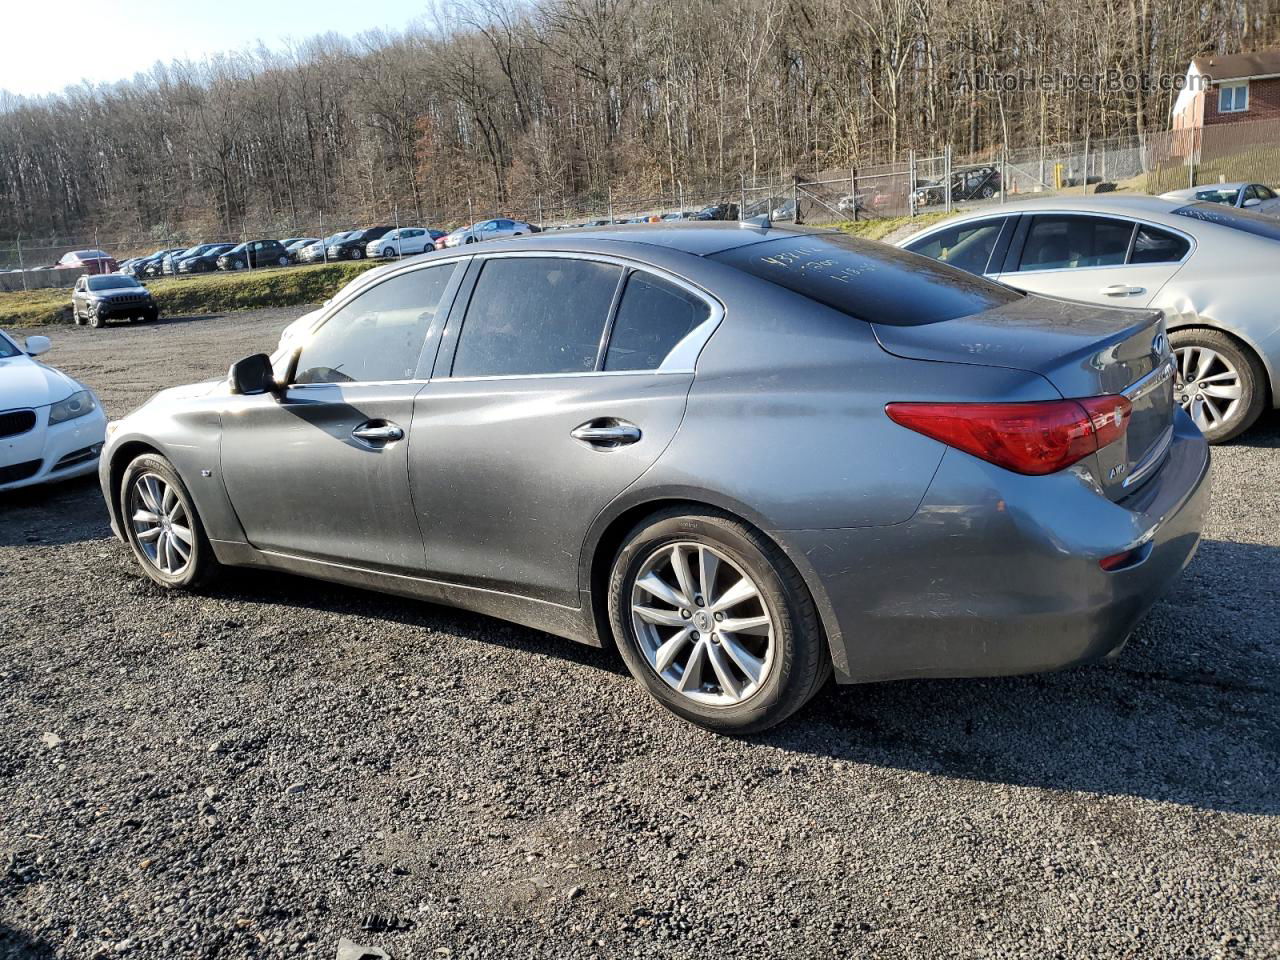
(701, 238)
(696, 238)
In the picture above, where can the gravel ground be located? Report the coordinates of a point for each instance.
(279, 764)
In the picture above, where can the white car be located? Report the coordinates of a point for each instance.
(300, 327)
(1247, 196)
(1207, 266)
(51, 425)
(401, 243)
(486, 230)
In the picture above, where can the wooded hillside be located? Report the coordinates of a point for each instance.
(505, 103)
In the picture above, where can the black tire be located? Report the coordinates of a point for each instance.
(96, 321)
(1252, 376)
(469, 240)
(282, 261)
(356, 253)
(202, 566)
(988, 192)
(388, 253)
(802, 662)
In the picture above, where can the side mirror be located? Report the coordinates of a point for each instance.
(252, 375)
(34, 346)
(1252, 202)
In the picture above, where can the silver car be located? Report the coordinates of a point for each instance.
(748, 457)
(495, 229)
(1257, 197)
(1210, 268)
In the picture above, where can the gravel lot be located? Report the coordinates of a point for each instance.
(278, 764)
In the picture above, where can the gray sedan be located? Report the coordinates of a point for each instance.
(1210, 268)
(748, 457)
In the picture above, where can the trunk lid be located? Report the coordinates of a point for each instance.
(1084, 351)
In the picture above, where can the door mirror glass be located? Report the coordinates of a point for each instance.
(252, 375)
(36, 346)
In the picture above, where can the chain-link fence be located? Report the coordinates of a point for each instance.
(910, 186)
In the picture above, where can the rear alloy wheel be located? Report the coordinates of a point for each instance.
(162, 526)
(1219, 382)
(716, 622)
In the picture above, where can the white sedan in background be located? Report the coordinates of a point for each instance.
(1210, 268)
(403, 242)
(1257, 197)
(485, 230)
(51, 425)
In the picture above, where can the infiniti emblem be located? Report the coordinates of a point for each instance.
(1160, 345)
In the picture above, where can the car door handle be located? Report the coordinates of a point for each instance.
(606, 433)
(1121, 290)
(377, 432)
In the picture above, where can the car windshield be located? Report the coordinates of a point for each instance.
(7, 349)
(1225, 195)
(238, 247)
(869, 281)
(1242, 220)
(112, 282)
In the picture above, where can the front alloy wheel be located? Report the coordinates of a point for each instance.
(161, 524)
(160, 521)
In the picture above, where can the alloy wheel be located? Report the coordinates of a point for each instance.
(161, 524)
(1208, 386)
(702, 623)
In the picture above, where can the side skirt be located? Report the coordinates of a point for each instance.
(569, 622)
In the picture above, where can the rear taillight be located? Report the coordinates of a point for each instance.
(1030, 438)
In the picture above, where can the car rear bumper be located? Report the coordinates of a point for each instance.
(47, 454)
(999, 574)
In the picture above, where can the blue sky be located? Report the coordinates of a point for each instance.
(46, 47)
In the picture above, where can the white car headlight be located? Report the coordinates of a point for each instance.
(76, 405)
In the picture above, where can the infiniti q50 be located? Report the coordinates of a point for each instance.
(748, 457)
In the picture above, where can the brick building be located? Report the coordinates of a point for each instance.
(1230, 89)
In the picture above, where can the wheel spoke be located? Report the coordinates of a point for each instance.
(667, 653)
(1225, 391)
(747, 662)
(145, 516)
(744, 589)
(1218, 377)
(724, 673)
(1215, 414)
(692, 678)
(662, 618)
(181, 551)
(150, 495)
(1204, 362)
(708, 568)
(1198, 414)
(655, 585)
(680, 564)
(754, 625)
(151, 533)
(168, 501)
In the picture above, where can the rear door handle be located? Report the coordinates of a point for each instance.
(1121, 290)
(606, 433)
(377, 432)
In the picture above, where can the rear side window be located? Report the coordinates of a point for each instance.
(1066, 243)
(653, 317)
(1157, 246)
(966, 245)
(869, 281)
(379, 334)
(1245, 221)
(535, 315)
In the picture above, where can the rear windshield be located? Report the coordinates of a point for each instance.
(111, 282)
(1243, 220)
(869, 281)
